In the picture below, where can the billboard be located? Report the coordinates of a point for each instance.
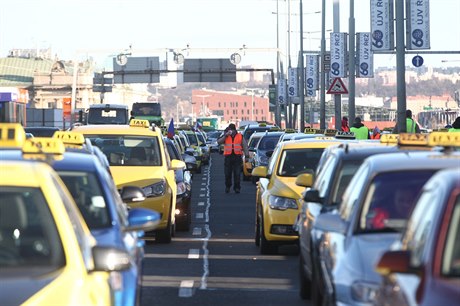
(382, 25)
(137, 70)
(209, 70)
(365, 56)
(338, 54)
(312, 75)
(282, 91)
(292, 82)
(417, 24)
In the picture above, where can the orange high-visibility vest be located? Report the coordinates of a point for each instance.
(233, 144)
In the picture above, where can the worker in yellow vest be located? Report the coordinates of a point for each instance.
(359, 129)
(411, 125)
(455, 126)
(234, 147)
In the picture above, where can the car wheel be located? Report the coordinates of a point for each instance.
(199, 169)
(266, 247)
(254, 179)
(305, 283)
(165, 235)
(184, 223)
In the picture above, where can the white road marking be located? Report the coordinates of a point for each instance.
(199, 215)
(193, 254)
(202, 189)
(196, 231)
(202, 195)
(186, 288)
(200, 203)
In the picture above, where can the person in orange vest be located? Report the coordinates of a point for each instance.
(234, 147)
(376, 133)
(345, 127)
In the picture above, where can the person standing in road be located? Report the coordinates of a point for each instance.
(359, 129)
(376, 133)
(455, 126)
(345, 127)
(234, 148)
(411, 125)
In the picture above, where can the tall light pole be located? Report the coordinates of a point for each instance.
(400, 67)
(302, 72)
(322, 112)
(351, 63)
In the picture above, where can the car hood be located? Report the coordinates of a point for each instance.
(286, 187)
(136, 176)
(369, 248)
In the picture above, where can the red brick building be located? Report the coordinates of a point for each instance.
(233, 107)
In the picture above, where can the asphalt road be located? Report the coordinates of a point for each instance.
(217, 262)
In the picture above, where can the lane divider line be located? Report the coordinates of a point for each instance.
(194, 254)
(186, 288)
(196, 231)
(199, 215)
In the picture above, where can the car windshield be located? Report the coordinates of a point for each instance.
(87, 193)
(253, 141)
(296, 161)
(390, 199)
(214, 134)
(200, 137)
(268, 143)
(110, 116)
(29, 236)
(192, 139)
(124, 150)
(146, 109)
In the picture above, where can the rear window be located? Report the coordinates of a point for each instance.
(107, 116)
(146, 109)
(268, 143)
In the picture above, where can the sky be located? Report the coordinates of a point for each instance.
(212, 29)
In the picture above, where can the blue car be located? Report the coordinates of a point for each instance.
(110, 220)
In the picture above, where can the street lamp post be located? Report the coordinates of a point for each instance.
(323, 73)
(302, 71)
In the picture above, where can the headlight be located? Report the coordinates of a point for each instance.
(155, 190)
(281, 203)
(364, 292)
(181, 188)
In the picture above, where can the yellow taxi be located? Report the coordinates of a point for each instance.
(138, 157)
(278, 196)
(47, 254)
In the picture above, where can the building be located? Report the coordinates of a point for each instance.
(232, 107)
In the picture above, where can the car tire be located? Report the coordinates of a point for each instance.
(305, 283)
(165, 235)
(184, 224)
(316, 296)
(257, 232)
(199, 169)
(254, 179)
(266, 247)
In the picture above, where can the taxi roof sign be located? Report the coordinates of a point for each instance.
(389, 138)
(413, 139)
(330, 132)
(344, 135)
(139, 123)
(43, 145)
(12, 135)
(309, 131)
(68, 137)
(444, 139)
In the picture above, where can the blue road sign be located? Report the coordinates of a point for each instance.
(417, 61)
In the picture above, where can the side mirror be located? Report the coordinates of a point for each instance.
(192, 166)
(131, 194)
(312, 195)
(331, 222)
(260, 171)
(110, 259)
(304, 180)
(142, 219)
(177, 164)
(394, 262)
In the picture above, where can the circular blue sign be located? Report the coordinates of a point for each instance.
(417, 61)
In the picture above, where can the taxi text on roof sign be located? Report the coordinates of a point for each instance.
(139, 123)
(389, 138)
(345, 135)
(67, 137)
(412, 139)
(444, 139)
(44, 145)
(330, 132)
(12, 135)
(309, 131)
